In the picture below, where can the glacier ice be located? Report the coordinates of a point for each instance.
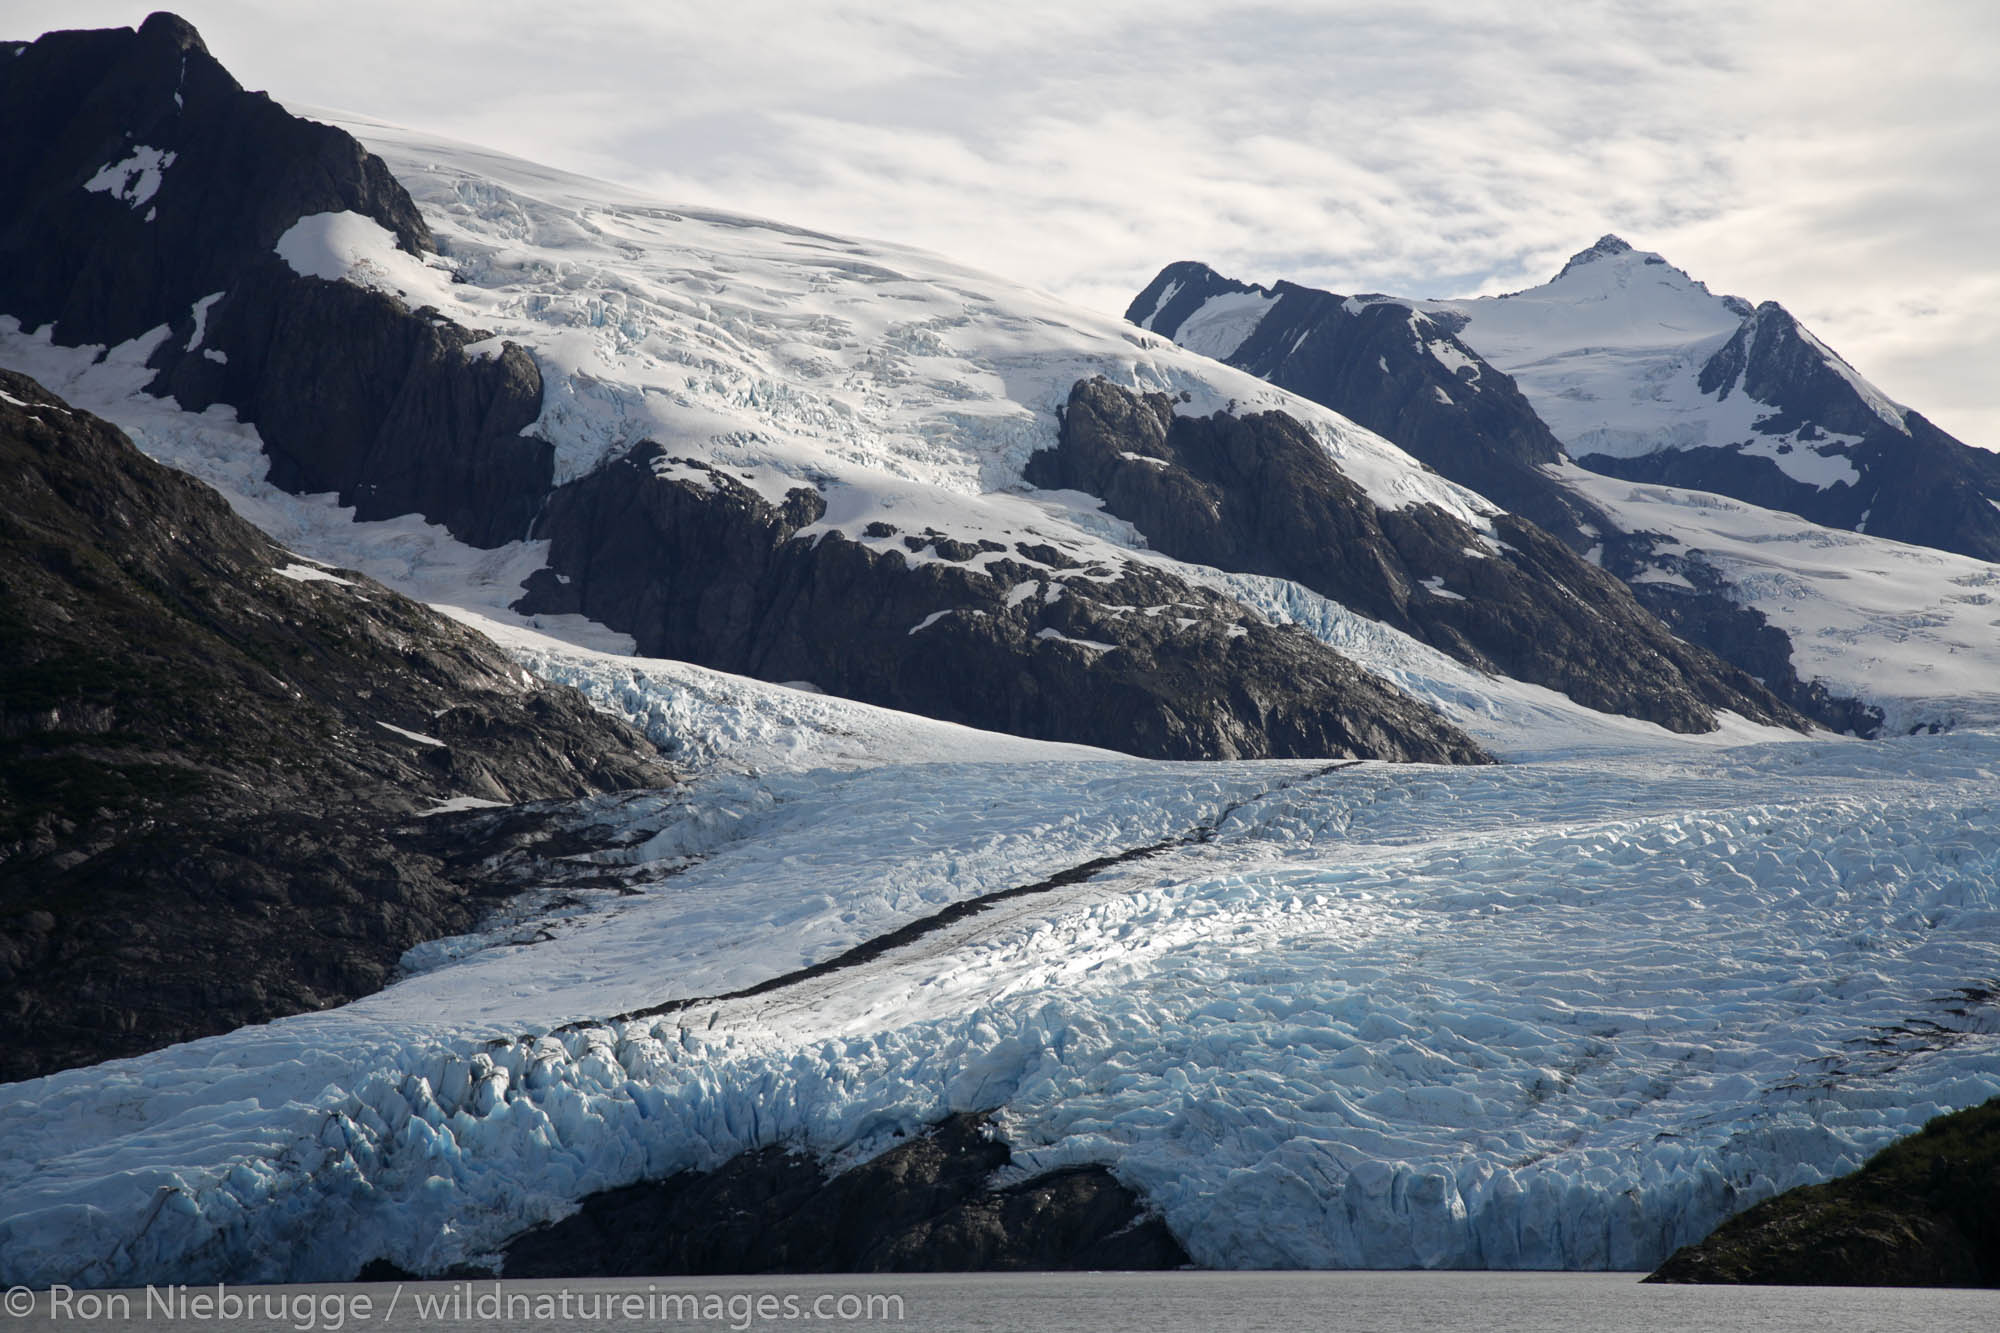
(1563, 1014)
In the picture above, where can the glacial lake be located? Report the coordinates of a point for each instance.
(1351, 1302)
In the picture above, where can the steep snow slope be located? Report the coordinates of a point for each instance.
(1910, 630)
(1558, 1015)
(793, 355)
(1609, 352)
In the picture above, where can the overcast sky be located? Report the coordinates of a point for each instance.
(1842, 158)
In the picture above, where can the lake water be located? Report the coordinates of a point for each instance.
(1039, 1303)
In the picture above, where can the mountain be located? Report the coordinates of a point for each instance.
(1255, 494)
(1625, 364)
(885, 989)
(212, 751)
(1634, 368)
(1397, 370)
(768, 451)
(1644, 374)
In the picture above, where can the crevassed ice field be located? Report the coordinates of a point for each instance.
(1566, 1012)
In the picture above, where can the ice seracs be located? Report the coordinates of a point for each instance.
(1557, 1015)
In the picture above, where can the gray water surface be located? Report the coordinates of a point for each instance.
(1042, 1303)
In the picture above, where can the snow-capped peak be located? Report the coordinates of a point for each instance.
(1607, 247)
(1622, 354)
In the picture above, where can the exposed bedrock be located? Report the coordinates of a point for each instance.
(1027, 639)
(138, 179)
(210, 753)
(1259, 495)
(928, 1205)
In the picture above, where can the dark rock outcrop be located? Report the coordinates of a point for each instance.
(1257, 494)
(207, 768)
(1401, 373)
(1923, 1212)
(925, 1206)
(351, 390)
(1033, 641)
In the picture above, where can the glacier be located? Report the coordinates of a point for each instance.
(1563, 1014)
(1567, 1012)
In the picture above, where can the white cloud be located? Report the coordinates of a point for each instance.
(1834, 156)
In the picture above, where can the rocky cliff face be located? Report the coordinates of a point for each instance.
(1029, 639)
(146, 188)
(1923, 1212)
(926, 1206)
(212, 750)
(1258, 495)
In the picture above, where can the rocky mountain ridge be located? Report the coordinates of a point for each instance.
(214, 750)
(1256, 495)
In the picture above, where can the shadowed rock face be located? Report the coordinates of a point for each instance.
(106, 266)
(1257, 494)
(926, 1206)
(1026, 640)
(350, 391)
(1923, 1212)
(203, 820)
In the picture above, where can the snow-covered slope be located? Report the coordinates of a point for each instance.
(1611, 353)
(917, 384)
(1912, 631)
(1641, 371)
(1568, 1014)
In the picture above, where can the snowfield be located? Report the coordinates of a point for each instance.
(1567, 1014)
(804, 357)
(1912, 630)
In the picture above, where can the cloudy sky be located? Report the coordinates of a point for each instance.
(1840, 157)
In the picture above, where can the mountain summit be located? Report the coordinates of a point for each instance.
(1645, 374)
(1607, 247)
(1632, 368)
